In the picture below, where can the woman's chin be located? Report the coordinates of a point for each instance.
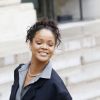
(43, 59)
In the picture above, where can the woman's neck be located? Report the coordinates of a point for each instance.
(37, 67)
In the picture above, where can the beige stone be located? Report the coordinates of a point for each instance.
(9, 2)
(23, 57)
(1, 61)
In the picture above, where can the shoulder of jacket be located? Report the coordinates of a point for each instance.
(57, 80)
(19, 66)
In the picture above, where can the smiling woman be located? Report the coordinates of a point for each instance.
(37, 80)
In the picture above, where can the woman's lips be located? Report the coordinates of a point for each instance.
(43, 53)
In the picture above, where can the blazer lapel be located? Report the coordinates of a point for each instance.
(31, 93)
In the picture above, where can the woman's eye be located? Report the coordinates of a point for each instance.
(39, 43)
(50, 45)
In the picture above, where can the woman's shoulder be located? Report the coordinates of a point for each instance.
(56, 79)
(59, 85)
(18, 67)
(55, 76)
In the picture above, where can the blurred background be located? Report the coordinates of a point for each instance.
(77, 59)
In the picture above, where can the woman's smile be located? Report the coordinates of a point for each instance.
(43, 53)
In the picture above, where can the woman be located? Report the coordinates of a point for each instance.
(37, 80)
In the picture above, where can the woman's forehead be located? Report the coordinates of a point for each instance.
(44, 33)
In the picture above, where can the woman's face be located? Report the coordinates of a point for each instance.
(43, 45)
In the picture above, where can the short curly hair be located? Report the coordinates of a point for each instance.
(44, 23)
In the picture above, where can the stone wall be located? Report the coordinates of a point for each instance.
(15, 19)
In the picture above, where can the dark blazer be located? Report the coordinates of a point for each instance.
(43, 89)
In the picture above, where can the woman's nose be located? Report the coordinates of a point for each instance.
(44, 46)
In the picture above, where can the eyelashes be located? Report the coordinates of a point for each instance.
(49, 44)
